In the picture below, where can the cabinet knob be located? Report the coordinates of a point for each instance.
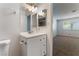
(44, 53)
(25, 43)
(40, 39)
(22, 41)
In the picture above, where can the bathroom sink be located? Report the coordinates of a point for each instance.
(4, 41)
(28, 35)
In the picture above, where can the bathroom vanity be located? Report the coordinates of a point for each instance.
(32, 40)
(33, 44)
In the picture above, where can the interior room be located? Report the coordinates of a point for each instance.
(66, 29)
(25, 29)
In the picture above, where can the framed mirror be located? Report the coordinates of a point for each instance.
(34, 22)
(42, 16)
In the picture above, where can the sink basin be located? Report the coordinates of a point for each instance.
(4, 41)
(28, 35)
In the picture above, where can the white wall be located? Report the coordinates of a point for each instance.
(10, 25)
(64, 10)
(54, 27)
(73, 33)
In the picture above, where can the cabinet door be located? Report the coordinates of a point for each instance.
(36, 46)
(33, 47)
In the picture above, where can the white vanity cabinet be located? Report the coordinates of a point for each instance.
(33, 46)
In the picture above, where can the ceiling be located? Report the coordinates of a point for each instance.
(65, 10)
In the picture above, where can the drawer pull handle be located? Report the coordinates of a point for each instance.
(22, 41)
(40, 39)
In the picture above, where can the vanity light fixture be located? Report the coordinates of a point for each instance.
(41, 13)
(30, 8)
(34, 10)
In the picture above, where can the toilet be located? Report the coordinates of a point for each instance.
(4, 47)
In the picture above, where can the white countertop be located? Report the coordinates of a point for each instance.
(29, 35)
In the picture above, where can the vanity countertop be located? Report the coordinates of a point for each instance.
(29, 35)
